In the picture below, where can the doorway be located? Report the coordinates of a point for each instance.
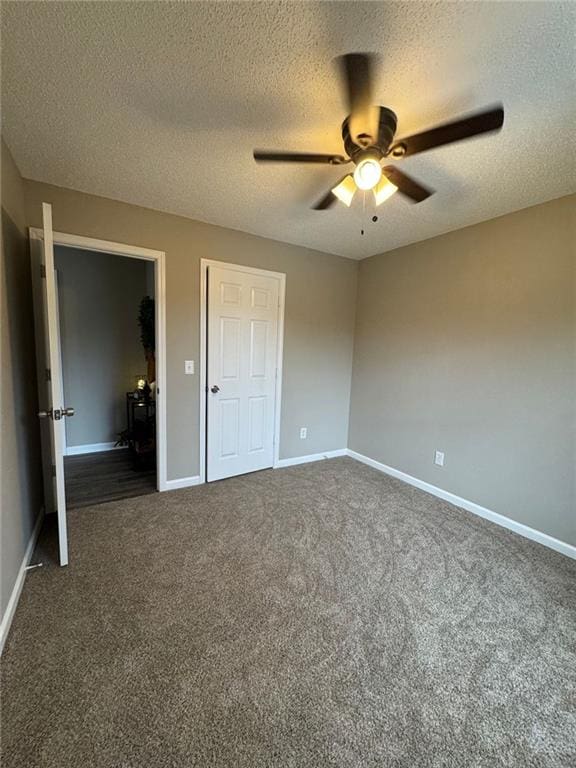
(242, 329)
(54, 412)
(107, 343)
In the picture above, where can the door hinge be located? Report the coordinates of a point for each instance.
(48, 374)
(42, 270)
(53, 470)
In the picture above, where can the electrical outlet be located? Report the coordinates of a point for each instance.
(303, 433)
(188, 366)
(439, 458)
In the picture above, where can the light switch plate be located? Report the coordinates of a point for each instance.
(188, 366)
(439, 458)
(303, 433)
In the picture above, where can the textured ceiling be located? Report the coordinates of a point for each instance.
(161, 104)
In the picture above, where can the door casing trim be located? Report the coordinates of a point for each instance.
(281, 277)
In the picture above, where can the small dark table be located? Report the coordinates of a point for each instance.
(141, 418)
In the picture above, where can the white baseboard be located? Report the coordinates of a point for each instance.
(19, 583)
(187, 482)
(524, 530)
(77, 450)
(310, 457)
(182, 482)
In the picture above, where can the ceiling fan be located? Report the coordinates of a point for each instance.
(368, 134)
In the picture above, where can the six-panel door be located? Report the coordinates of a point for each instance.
(242, 349)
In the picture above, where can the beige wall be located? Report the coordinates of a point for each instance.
(466, 343)
(21, 481)
(319, 323)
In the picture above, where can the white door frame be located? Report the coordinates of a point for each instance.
(281, 276)
(159, 259)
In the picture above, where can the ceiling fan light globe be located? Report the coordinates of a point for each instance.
(383, 190)
(345, 190)
(367, 174)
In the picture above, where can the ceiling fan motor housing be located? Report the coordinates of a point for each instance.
(386, 131)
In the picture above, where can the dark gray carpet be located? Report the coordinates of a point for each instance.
(322, 615)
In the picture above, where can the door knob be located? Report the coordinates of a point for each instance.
(215, 388)
(56, 413)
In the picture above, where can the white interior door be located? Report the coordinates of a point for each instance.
(242, 352)
(52, 411)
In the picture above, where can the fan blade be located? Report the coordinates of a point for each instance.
(482, 122)
(406, 185)
(298, 157)
(329, 198)
(325, 202)
(357, 74)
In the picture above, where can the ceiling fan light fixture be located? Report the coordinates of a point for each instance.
(345, 190)
(369, 137)
(368, 173)
(383, 190)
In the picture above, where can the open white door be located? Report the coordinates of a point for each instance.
(52, 412)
